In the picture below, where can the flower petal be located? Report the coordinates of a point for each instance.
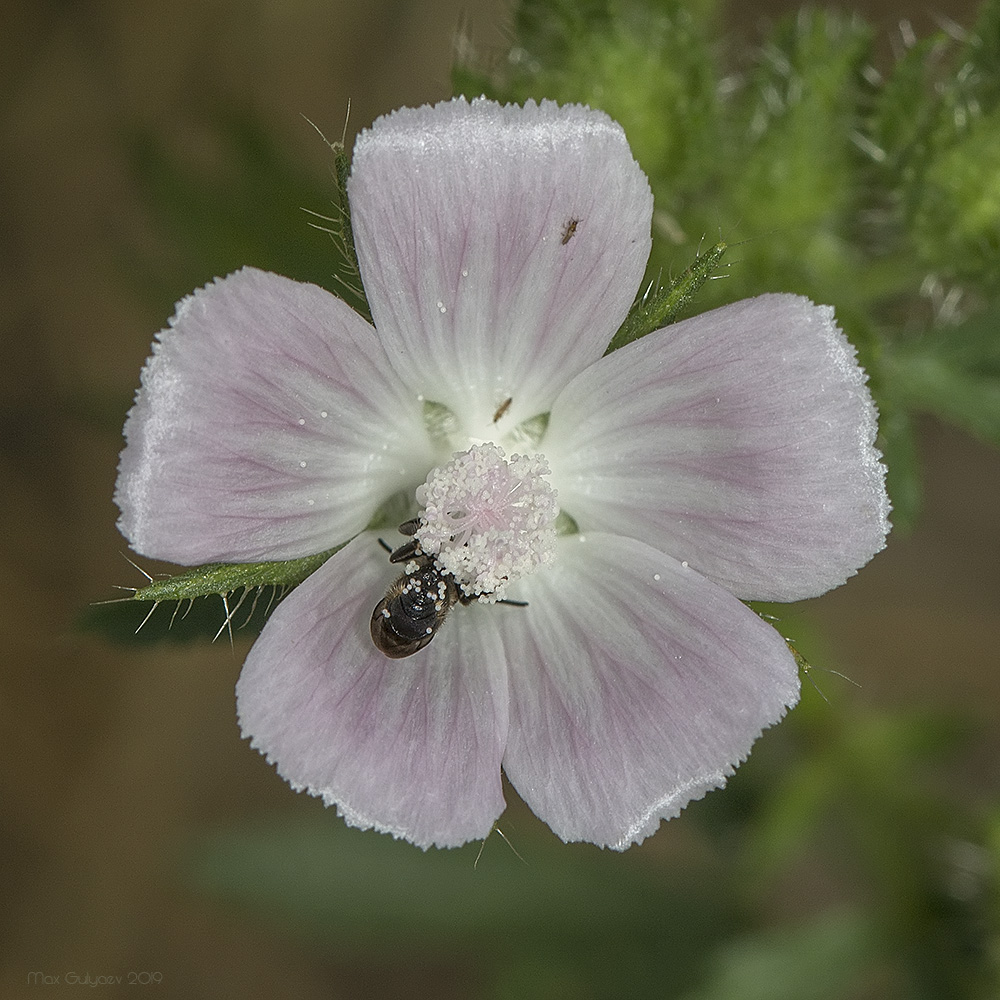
(411, 747)
(636, 686)
(500, 247)
(269, 425)
(740, 441)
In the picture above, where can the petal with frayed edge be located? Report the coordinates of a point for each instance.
(269, 425)
(636, 686)
(411, 747)
(500, 247)
(740, 441)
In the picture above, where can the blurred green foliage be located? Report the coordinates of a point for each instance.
(872, 187)
(243, 201)
(598, 929)
(833, 866)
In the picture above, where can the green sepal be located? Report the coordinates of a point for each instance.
(659, 308)
(202, 602)
(345, 231)
(529, 433)
(765, 611)
(800, 661)
(566, 524)
(441, 424)
(225, 578)
(205, 601)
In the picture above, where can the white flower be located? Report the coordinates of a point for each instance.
(726, 457)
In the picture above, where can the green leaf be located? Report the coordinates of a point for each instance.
(965, 400)
(826, 959)
(658, 308)
(952, 372)
(863, 778)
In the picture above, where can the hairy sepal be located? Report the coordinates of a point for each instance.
(660, 307)
(225, 578)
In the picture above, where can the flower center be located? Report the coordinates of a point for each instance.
(487, 519)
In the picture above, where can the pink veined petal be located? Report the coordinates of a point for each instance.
(500, 247)
(411, 747)
(636, 686)
(269, 425)
(740, 441)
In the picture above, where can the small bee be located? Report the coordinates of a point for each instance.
(416, 604)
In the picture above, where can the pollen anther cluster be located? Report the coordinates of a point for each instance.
(488, 519)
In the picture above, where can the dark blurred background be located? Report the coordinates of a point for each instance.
(118, 762)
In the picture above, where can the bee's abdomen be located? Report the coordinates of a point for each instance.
(414, 611)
